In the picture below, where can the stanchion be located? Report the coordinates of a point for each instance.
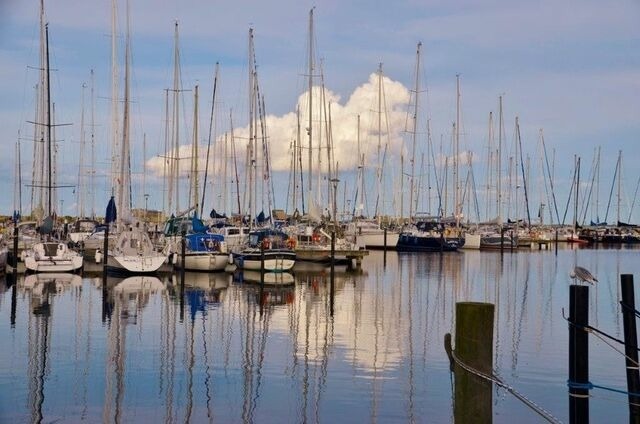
(630, 345)
(332, 274)
(578, 354)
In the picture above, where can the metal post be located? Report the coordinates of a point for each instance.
(556, 242)
(385, 240)
(14, 293)
(630, 345)
(15, 247)
(474, 348)
(105, 248)
(578, 354)
(262, 263)
(183, 254)
(333, 272)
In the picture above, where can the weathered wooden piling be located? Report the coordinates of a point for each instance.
(578, 354)
(474, 348)
(630, 345)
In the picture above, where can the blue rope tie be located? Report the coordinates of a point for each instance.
(589, 385)
(576, 385)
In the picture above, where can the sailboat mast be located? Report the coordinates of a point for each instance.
(619, 184)
(124, 188)
(415, 132)
(194, 153)
(93, 148)
(175, 174)
(379, 165)
(499, 163)
(598, 188)
(115, 139)
(575, 213)
(80, 187)
(206, 167)
(456, 152)
(49, 141)
(310, 127)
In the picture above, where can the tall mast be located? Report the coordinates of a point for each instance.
(456, 179)
(415, 132)
(619, 183)
(310, 127)
(38, 170)
(499, 162)
(17, 190)
(115, 130)
(124, 187)
(575, 213)
(80, 188)
(175, 162)
(252, 132)
(93, 148)
(206, 167)
(598, 188)
(489, 163)
(379, 165)
(49, 141)
(194, 190)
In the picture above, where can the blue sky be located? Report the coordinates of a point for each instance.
(571, 68)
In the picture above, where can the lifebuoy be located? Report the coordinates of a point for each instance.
(266, 243)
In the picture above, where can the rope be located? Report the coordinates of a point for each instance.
(495, 379)
(589, 328)
(628, 307)
(598, 334)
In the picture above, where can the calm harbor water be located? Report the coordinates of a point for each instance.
(227, 351)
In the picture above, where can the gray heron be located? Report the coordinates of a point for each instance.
(583, 274)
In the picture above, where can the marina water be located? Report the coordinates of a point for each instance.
(224, 349)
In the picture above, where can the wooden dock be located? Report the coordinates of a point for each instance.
(353, 258)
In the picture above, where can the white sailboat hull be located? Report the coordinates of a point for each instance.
(376, 240)
(135, 264)
(203, 261)
(471, 241)
(53, 264)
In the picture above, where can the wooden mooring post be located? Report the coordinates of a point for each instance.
(474, 349)
(578, 354)
(630, 346)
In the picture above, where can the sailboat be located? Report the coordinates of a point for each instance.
(204, 251)
(267, 249)
(428, 233)
(133, 251)
(49, 255)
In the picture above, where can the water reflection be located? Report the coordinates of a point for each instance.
(233, 347)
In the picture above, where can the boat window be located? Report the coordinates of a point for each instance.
(233, 231)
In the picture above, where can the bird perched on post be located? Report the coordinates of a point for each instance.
(583, 274)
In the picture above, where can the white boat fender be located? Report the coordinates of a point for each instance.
(98, 256)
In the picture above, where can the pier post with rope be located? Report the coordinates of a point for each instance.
(578, 354)
(474, 347)
(630, 346)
